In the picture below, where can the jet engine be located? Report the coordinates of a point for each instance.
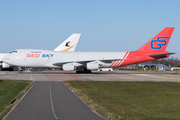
(4, 65)
(92, 66)
(68, 67)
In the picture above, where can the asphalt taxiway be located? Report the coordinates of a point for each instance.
(50, 98)
(51, 101)
(95, 76)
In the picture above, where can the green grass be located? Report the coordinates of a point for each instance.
(132, 100)
(10, 90)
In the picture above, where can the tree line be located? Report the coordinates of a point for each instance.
(170, 62)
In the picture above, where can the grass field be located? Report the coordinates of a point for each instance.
(131, 100)
(11, 90)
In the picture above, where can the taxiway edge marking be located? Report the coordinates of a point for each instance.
(52, 102)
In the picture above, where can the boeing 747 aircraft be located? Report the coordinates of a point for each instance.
(69, 45)
(84, 62)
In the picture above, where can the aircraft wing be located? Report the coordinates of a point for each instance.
(87, 61)
(160, 55)
(110, 60)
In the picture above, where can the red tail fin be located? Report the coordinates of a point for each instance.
(159, 42)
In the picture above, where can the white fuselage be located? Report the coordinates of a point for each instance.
(45, 58)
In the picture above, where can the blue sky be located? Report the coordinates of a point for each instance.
(116, 25)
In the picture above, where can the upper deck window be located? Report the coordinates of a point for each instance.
(35, 51)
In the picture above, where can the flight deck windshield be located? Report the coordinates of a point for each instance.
(13, 52)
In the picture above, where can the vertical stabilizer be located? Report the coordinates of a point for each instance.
(69, 44)
(159, 42)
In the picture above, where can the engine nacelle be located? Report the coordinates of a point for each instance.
(68, 67)
(4, 65)
(92, 66)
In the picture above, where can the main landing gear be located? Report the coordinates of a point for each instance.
(81, 70)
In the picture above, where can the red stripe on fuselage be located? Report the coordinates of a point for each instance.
(123, 58)
(112, 64)
(115, 63)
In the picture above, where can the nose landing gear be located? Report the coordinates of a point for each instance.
(20, 70)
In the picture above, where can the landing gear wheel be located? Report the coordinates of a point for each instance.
(81, 70)
(20, 71)
(87, 71)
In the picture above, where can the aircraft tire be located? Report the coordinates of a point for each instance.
(87, 71)
(20, 71)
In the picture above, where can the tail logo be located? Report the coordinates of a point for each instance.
(157, 44)
(68, 44)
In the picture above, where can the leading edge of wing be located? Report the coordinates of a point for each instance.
(86, 61)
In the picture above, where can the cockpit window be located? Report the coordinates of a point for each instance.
(13, 52)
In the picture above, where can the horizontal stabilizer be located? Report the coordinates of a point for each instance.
(160, 55)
